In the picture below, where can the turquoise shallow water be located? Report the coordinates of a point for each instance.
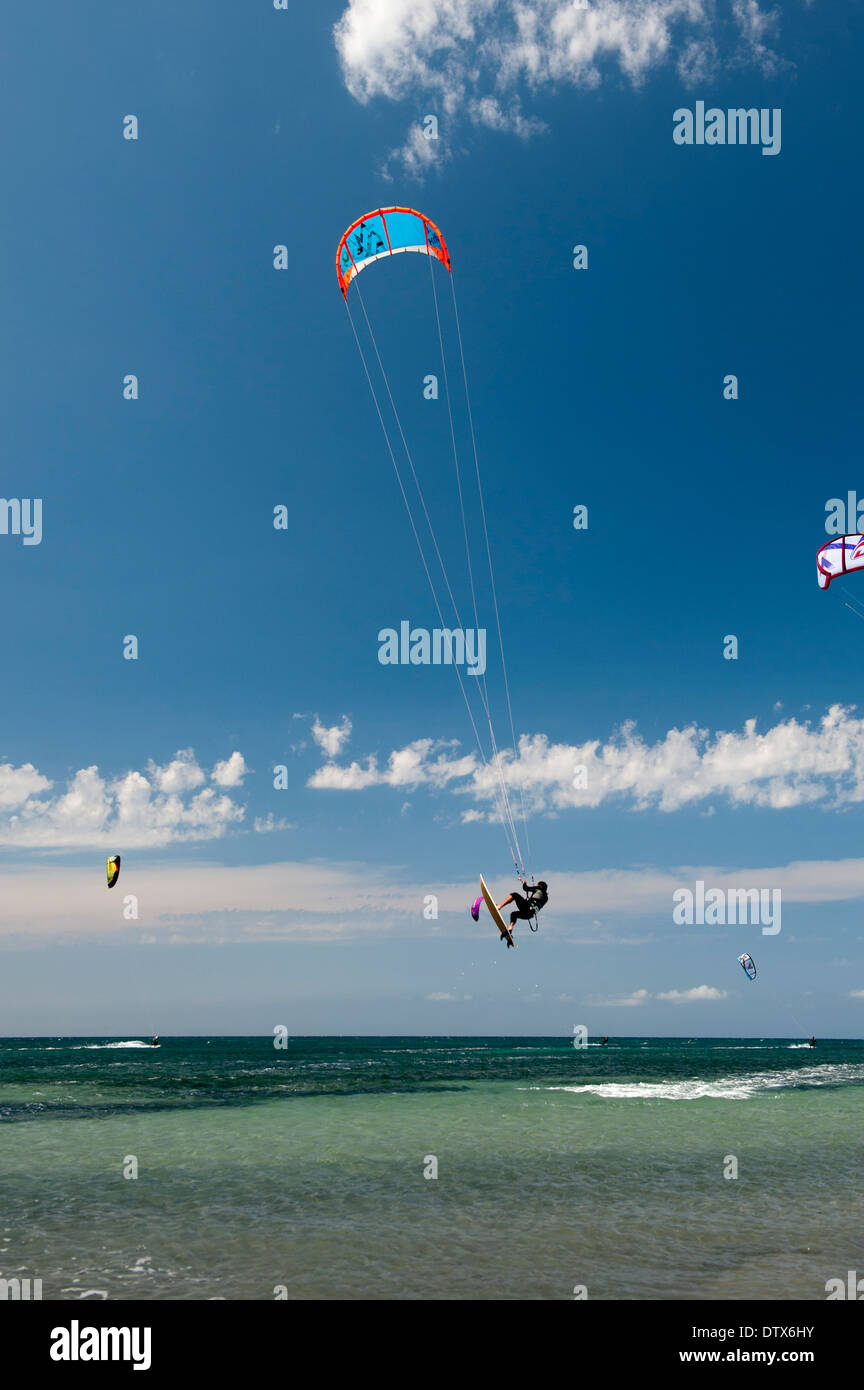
(557, 1167)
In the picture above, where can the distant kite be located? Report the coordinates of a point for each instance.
(113, 867)
(748, 965)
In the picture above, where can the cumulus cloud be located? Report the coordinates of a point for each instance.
(332, 740)
(691, 996)
(231, 772)
(479, 60)
(158, 807)
(18, 784)
(791, 764)
(425, 760)
(180, 775)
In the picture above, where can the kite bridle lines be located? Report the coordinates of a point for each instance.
(494, 763)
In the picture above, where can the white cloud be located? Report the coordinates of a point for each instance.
(480, 59)
(620, 1001)
(264, 825)
(488, 111)
(790, 764)
(18, 784)
(417, 763)
(450, 998)
(231, 772)
(415, 155)
(187, 902)
(332, 740)
(181, 902)
(672, 996)
(633, 894)
(755, 25)
(180, 775)
(151, 810)
(856, 994)
(690, 996)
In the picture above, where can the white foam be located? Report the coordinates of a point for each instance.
(664, 1090)
(724, 1088)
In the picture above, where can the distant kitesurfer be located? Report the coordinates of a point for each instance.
(812, 1042)
(603, 1042)
(154, 1041)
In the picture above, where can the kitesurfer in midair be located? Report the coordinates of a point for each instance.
(527, 907)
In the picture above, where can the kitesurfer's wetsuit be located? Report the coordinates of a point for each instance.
(528, 906)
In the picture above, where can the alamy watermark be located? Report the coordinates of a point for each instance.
(441, 647)
(720, 907)
(20, 1290)
(737, 126)
(22, 516)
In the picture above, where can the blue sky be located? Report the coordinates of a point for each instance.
(304, 906)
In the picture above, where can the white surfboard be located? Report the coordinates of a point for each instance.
(494, 913)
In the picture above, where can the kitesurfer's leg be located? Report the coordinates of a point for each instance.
(509, 899)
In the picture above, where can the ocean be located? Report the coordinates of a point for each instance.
(431, 1168)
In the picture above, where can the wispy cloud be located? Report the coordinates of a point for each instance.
(265, 825)
(638, 997)
(755, 27)
(480, 61)
(619, 1001)
(182, 902)
(692, 996)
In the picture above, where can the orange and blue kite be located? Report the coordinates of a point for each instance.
(387, 232)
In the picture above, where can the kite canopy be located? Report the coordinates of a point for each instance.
(386, 232)
(839, 556)
(748, 965)
(113, 868)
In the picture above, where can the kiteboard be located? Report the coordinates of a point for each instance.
(495, 914)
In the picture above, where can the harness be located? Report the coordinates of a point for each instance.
(533, 920)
